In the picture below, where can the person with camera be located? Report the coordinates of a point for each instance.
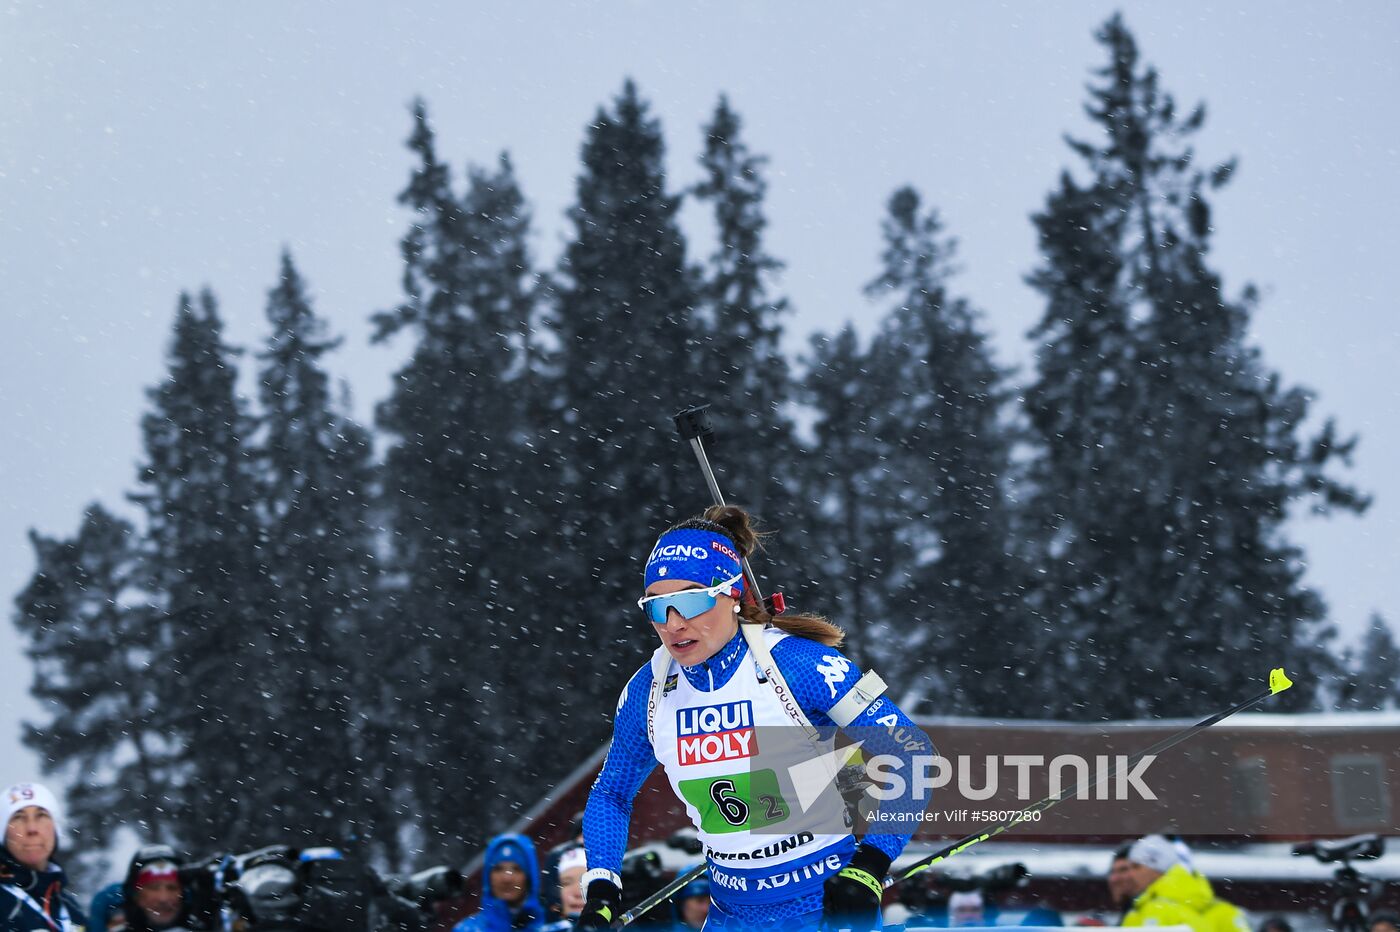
(510, 882)
(34, 894)
(726, 668)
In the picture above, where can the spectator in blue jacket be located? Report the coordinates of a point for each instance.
(510, 889)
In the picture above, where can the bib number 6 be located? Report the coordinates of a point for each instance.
(730, 805)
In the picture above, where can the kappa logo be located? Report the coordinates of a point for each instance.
(833, 669)
(715, 733)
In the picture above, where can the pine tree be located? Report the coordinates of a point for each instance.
(458, 481)
(204, 568)
(855, 540)
(958, 609)
(316, 473)
(628, 360)
(92, 637)
(751, 381)
(1170, 453)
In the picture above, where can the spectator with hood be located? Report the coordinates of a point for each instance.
(34, 895)
(510, 889)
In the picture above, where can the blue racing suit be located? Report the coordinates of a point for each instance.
(788, 895)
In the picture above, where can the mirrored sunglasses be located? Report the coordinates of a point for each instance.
(688, 602)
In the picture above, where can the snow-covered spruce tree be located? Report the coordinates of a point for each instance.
(956, 605)
(751, 380)
(629, 358)
(852, 477)
(92, 637)
(315, 473)
(1170, 453)
(211, 650)
(452, 480)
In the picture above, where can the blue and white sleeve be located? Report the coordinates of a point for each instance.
(819, 677)
(608, 814)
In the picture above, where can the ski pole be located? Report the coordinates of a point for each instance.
(1278, 682)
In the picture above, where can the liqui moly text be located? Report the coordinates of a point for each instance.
(713, 733)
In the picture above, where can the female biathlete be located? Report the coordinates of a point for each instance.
(728, 690)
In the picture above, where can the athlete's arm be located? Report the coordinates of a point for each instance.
(608, 814)
(820, 677)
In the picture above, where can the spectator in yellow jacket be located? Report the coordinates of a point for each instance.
(1166, 892)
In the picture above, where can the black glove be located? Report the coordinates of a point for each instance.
(851, 899)
(603, 906)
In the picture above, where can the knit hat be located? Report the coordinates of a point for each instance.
(23, 795)
(150, 864)
(571, 859)
(1155, 852)
(509, 849)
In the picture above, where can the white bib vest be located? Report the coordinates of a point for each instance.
(728, 754)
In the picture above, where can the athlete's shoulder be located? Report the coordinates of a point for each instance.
(794, 648)
(817, 673)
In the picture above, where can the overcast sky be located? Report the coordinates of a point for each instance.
(151, 147)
